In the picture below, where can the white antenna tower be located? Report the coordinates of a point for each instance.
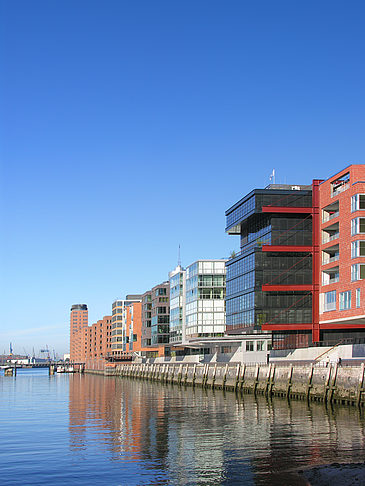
(272, 177)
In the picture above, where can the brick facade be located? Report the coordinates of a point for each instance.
(78, 321)
(342, 292)
(90, 342)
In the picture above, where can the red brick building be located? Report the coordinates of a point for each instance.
(98, 339)
(90, 342)
(134, 327)
(342, 256)
(338, 264)
(78, 321)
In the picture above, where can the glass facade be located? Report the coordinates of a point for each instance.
(205, 294)
(254, 201)
(247, 306)
(146, 319)
(177, 304)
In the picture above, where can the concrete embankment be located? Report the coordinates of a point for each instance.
(335, 384)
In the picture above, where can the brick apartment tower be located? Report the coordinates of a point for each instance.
(342, 257)
(97, 339)
(78, 321)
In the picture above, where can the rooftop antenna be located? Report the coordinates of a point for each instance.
(272, 177)
(179, 258)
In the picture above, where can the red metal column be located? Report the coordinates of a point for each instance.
(316, 260)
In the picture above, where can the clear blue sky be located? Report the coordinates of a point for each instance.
(128, 127)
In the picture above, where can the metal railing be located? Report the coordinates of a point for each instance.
(331, 259)
(328, 217)
(327, 238)
(340, 189)
(331, 280)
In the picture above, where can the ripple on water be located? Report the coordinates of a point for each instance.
(85, 429)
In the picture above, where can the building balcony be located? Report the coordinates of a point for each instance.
(331, 275)
(332, 280)
(331, 232)
(331, 253)
(330, 216)
(341, 188)
(331, 259)
(329, 237)
(330, 212)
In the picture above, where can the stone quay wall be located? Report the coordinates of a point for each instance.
(333, 384)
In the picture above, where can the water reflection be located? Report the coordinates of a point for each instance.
(197, 436)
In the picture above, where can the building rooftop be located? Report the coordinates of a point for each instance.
(78, 307)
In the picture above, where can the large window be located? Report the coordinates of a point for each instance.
(357, 226)
(241, 212)
(358, 271)
(357, 202)
(357, 248)
(241, 283)
(260, 345)
(330, 301)
(357, 297)
(244, 265)
(345, 300)
(249, 345)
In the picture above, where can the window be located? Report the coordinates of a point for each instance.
(226, 349)
(330, 301)
(358, 271)
(249, 346)
(357, 248)
(345, 300)
(357, 297)
(260, 345)
(354, 226)
(357, 202)
(357, 226)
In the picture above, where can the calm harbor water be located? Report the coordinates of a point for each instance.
(91, 430)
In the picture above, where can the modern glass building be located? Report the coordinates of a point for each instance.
(269, 281)
(177, 305)
(205, 294)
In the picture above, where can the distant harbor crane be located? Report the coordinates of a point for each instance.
(46, 352)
